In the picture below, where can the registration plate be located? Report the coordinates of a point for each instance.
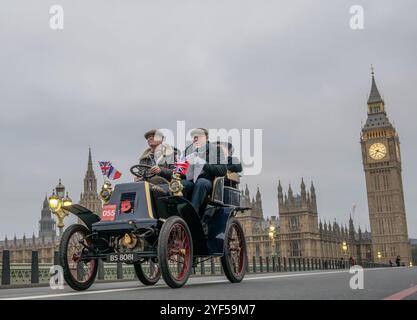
(122, 257)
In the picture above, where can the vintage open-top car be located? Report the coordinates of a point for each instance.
(151, 225)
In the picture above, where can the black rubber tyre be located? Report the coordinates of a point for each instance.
(145, 277)
(234, 259)
(175, 252)
(70, 251)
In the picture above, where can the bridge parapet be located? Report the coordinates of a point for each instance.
(35, 273)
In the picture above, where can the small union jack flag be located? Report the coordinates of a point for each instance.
(105, 167)
(181, 167)
(109, 171)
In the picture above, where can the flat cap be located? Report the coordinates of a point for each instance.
(149, 133)
(199, 132)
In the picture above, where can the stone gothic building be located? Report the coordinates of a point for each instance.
(299, 227)
(47, 241)
(298, 230)
(256, 227)
(89, 197)
(21, 249)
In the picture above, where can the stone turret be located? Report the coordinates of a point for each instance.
(47, 225)
(303, 193)
(280, 195)
(89, 198)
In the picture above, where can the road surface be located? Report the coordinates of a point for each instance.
(383, 283)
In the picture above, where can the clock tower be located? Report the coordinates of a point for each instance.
(381, 157)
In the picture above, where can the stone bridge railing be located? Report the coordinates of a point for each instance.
(38, 273)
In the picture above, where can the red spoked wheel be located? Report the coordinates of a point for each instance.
(78, 273)
(148, 272)
(234, 259)
(175, 252)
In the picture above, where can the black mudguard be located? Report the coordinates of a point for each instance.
(85, 215)
(182, 207)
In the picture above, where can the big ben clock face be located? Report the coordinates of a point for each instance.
(378, 151)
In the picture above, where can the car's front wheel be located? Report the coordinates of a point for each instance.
(175, 252)
(78, 273)
(148, 272)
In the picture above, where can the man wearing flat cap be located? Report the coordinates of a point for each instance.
(207, 161)
(159, 155)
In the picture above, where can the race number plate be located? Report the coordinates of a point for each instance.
(108, 212)
(122, 257)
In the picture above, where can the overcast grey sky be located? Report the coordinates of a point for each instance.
(291, 68)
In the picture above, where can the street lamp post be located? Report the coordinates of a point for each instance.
(271, 234)
(379, 255)
(57, 202)
(344, 248)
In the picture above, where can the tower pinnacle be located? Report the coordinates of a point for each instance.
(89, 197)
(374, 96)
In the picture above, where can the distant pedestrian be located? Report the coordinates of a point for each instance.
(390, 263)
(398, 261)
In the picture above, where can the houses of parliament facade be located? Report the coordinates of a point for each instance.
(297, 230)
(300, 233)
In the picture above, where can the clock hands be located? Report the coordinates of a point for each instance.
(377, 151)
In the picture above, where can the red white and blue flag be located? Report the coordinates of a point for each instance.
(109, 171)
(181, 167)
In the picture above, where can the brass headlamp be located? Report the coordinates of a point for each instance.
(175, 185)
(106, 192)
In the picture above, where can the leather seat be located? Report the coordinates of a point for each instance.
(216, 194)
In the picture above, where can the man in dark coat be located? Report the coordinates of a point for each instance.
(233, 163)
(234, 167)
(207, 161)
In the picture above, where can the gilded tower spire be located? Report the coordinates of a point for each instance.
(377, 123)
(374, 96)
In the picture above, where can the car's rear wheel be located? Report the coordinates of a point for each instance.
(234, 258)
(78, 273)
(175, 252)
(148, 272)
